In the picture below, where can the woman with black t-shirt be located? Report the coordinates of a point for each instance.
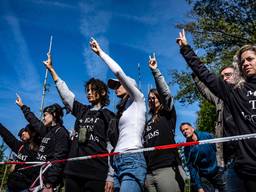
(162, 166)
(89, 138)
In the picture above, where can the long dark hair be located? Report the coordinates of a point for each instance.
(121, 106)
(35, 139)
(155, 112)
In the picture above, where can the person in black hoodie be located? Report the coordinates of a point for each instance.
(89, 137)
(162, 166)
(239, 98)
(26, 150)
(54, 144)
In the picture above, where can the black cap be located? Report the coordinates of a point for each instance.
(113, 83)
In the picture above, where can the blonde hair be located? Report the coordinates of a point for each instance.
(237, 63)
(239, 78)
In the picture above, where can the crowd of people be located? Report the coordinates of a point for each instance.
(225, 167)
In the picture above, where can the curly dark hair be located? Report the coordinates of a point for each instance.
(100, 88)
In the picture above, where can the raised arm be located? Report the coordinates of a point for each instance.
(161, 85)
(66, 95)
(36, 123)
(127, 82)
(215, 84)
(10, 139)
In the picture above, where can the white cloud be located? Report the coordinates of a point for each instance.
(94, 65)
(94, 23)
(53, 3)
(18, 55)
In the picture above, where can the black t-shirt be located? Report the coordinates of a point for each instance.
(161, 132)
(96, 124)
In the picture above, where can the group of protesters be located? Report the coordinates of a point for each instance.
(97, 130)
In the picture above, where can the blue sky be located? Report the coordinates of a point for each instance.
(128, 30)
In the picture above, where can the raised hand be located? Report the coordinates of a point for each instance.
(19, 101)
(181, 40)
(48, 62)
(152, 63)
(95, 46)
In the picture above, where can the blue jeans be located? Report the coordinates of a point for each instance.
(233, 181)
(216, 181)
(130, 172)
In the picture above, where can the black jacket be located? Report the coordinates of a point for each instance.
(54, 146)
(19, 180)
(241, 102)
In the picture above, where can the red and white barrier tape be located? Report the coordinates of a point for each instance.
(161, 147)
(40, 178)
(21, 162)
(48, 164)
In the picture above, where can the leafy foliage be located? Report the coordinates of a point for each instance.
(218, 27)
(206, 117)
(3, 168)
(187, 92)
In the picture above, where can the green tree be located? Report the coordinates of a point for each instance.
(3, 168)
(219, 27)
(206, 116)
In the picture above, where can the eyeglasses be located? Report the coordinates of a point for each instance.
(228, 75)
